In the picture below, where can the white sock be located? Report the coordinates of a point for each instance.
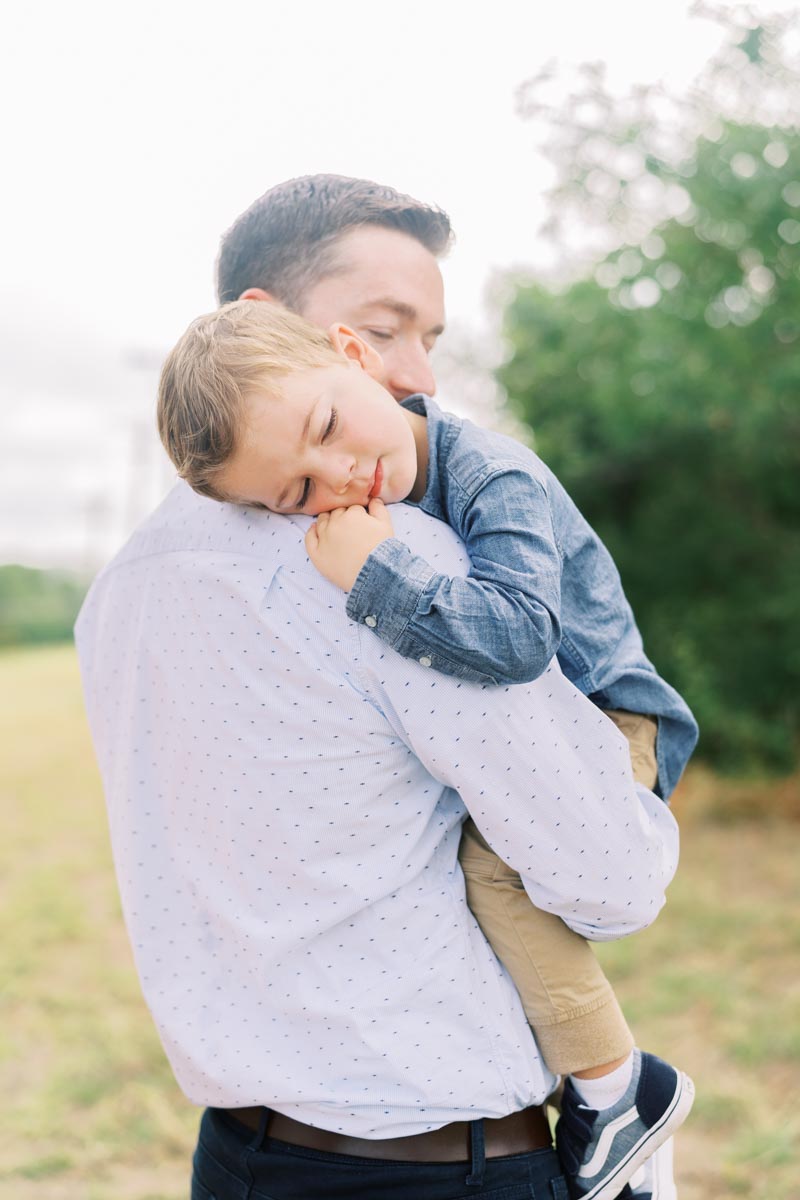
(608, 1089)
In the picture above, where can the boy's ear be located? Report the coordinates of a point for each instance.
(348, 343)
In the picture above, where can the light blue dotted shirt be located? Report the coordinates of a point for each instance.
(285, 797)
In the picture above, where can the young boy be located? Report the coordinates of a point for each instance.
(258, 407)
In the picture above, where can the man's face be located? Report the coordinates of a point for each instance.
(388, 288)
(331, 437)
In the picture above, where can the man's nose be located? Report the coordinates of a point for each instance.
(408, 372)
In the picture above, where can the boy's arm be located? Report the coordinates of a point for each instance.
(499, 625)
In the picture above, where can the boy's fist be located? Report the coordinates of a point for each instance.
(340, 542)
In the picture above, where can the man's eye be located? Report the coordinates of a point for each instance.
(332, 423)
(380, 335)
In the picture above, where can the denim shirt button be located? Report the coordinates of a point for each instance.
(424, 661)
(371, 621)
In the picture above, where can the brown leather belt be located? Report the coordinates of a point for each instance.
(517, 1133)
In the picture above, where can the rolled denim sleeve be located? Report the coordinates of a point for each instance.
(387, 591)
(500, 624)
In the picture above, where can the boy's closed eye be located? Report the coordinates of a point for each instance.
(332, 423)
(327, 433)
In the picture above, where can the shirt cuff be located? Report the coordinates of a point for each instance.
(387, 589)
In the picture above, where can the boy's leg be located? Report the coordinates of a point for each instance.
(640, 732)
(569, 1002)
(623, 1103)
(619, 1104)
(567, 999)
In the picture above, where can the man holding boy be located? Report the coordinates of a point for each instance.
(290, 884)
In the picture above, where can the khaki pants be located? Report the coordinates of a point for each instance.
(567, 999)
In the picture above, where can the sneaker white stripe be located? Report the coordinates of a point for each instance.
(605, 1142)
(608, 1186)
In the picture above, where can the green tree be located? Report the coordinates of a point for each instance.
(37, 606)
(663, 384)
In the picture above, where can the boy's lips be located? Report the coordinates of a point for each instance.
(376, 481)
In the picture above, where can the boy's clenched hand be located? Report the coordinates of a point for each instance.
(340, 542)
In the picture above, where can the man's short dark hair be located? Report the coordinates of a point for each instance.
(285, 241)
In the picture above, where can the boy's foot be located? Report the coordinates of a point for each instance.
(601, 1151)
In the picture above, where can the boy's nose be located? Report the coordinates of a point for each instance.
(342, 474)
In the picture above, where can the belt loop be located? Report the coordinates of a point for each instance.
(254, 1146)
(477, 1142)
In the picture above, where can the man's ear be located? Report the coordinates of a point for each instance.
(257, 294)
(347, 343)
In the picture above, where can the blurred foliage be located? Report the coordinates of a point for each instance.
(38, 606)
(663, 382)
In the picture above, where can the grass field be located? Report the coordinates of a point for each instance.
(92, 1113)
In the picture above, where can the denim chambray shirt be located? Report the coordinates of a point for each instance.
(541, 584)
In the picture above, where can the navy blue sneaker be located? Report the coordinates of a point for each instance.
(601, 1151)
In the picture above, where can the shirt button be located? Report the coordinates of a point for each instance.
(424, 661)
(371, 621)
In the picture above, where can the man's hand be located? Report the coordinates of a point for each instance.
(340, 542)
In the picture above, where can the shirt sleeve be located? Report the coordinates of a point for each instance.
(547, 778)
(500, 624)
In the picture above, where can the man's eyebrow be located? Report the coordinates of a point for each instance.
(300, 444)
(401, 309)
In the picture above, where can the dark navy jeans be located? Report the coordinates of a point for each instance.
(232, 1163)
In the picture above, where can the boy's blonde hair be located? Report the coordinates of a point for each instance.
(221, 360)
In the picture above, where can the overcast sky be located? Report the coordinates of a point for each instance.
(136, 133)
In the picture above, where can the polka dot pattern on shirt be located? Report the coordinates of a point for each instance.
(283, 797)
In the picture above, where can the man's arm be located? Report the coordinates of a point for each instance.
(547, 779)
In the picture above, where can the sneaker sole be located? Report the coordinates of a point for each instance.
(672, 1119)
